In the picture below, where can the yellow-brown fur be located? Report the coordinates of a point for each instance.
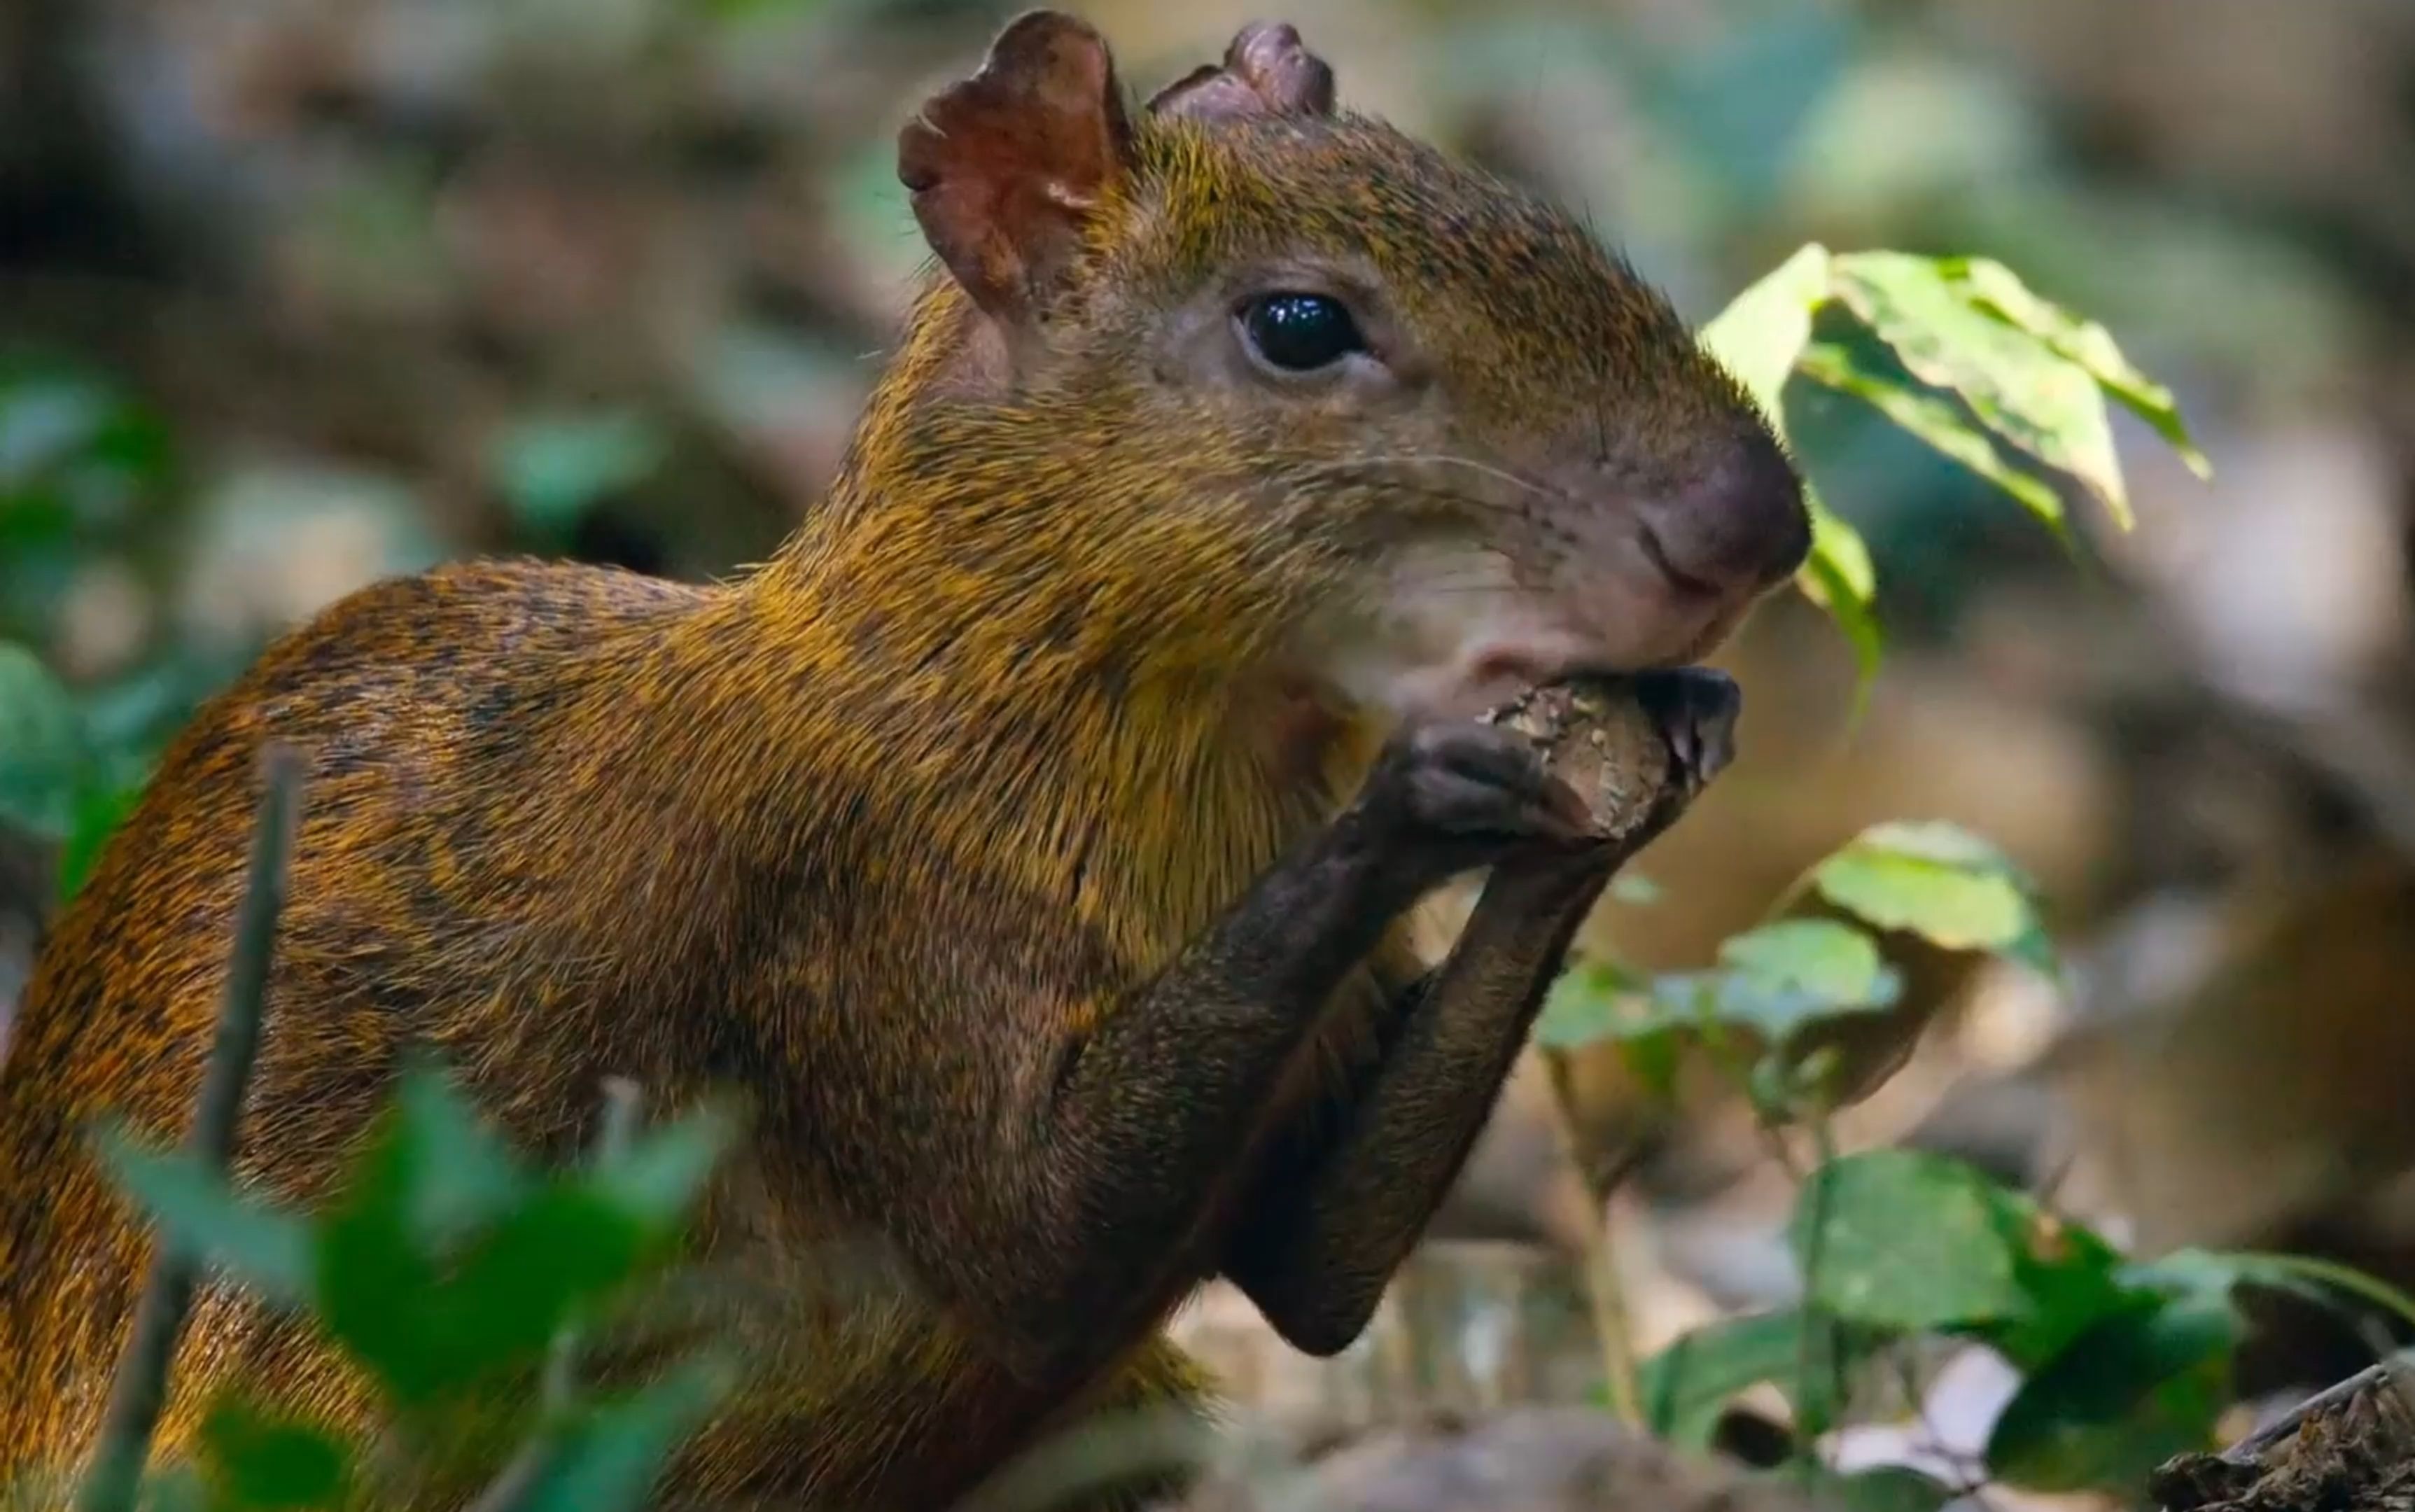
(1004, 726)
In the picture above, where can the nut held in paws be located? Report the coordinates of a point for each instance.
(1630, 746)
(1597, 737)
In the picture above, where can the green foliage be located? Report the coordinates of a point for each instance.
(553, 469)
(1901, 1240)
(42, 758)
(2123, 1363)
(1940, 882)
(264, 1462)
(1984, 369)
(452, 1272)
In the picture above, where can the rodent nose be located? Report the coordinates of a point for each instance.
(1739, 524)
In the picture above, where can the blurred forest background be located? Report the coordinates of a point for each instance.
(297, 293)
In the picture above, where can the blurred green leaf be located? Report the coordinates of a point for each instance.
(442, 1266)
(1996, 288)
(1937, 881)
(1763, 330)
(1583, 1007)
(2140, 1386)
(2017, 385)
(459, 1175)
(1841, 547)
(2211, 1274)
(42, 750)
(1906, 1240)
(610, 1461)
(1834, 964)
(1837, 577)
(258, 1463)
(373, 1280)
(539, 1268)
(660, 1174)
(552, 470)
(100, 810)
(1688, 1385)
(1933, 418)
(267, 1249)
(75, 451)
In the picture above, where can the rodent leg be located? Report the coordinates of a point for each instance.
(1144, 1130)
(1316, 1255)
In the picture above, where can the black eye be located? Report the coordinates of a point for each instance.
(1300, 333)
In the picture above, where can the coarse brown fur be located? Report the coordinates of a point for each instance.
(879, 833)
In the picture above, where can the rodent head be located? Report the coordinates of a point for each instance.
(1410, 430)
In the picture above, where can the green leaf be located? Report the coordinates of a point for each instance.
(1758, 336)
(1688, 1385)
(457, 1175)
(2142, 1385)
(100, 809)
(1933, 418)
(656, 1179)
(269, 1250)
(373, 1280)
(261, 1462)
(552, 470)
(1586, 1005)
(1835, 965)
(2215, 1274)
(1996, 288)
(1837, 577)
(610, 1463)
(1937, 881)
(1905, 1241)
(541, 1268)
(2020, 386)
(42, 750)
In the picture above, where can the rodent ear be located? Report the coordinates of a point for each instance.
(1006, 166)
(1267, 71)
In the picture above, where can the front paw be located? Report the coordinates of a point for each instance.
(1446, 797)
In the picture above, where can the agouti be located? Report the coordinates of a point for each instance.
(1027, 843)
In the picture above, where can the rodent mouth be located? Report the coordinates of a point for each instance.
(1683, 582)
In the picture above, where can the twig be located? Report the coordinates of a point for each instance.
(1605, 1289)
(141, 1387)
(2397, 1373)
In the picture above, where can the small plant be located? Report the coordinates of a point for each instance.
(2125, 1362)
(461, 1283)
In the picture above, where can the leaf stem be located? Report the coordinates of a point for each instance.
(140, 1390)
(1605, 1289)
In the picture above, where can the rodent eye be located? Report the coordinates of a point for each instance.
(1300, 333)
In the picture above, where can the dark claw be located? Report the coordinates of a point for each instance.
(1696, 708)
